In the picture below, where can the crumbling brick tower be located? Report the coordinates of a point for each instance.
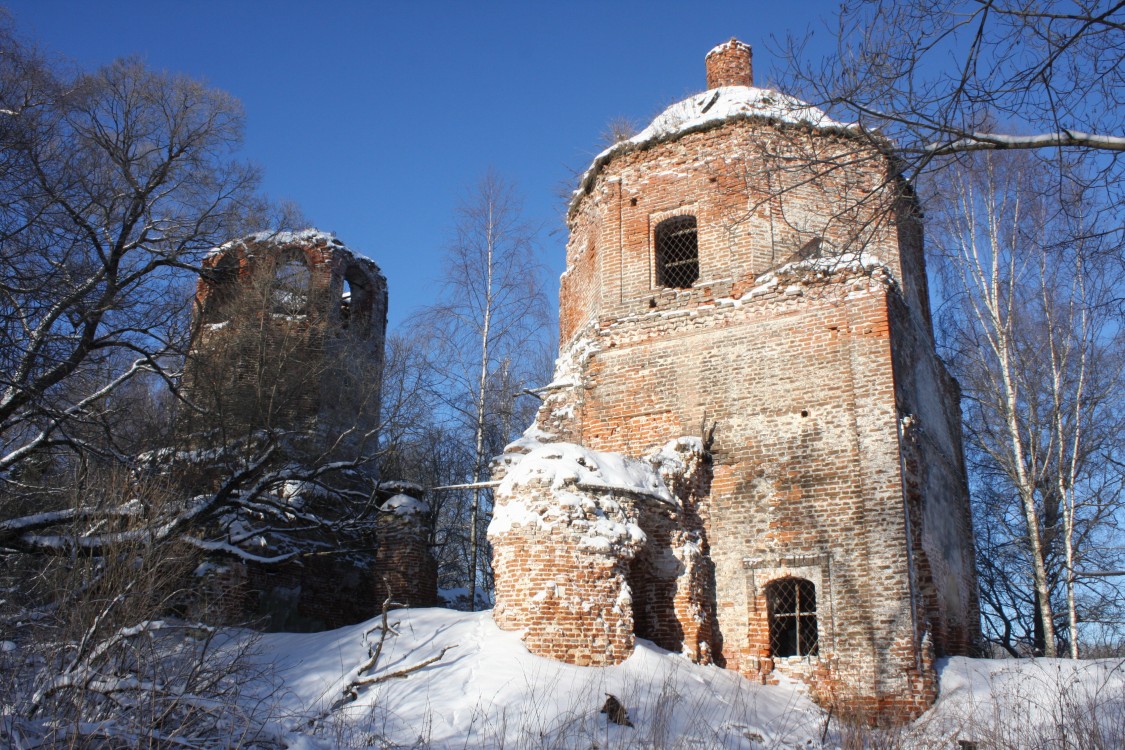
(749, 264)
(289, 335)
(287, 347)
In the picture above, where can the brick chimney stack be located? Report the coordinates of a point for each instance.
(729, 64)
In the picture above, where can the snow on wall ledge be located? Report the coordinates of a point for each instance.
(566, 527)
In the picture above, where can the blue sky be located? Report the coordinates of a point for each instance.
(376, 117)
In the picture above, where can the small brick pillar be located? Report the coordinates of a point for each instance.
(730, 64)
(562, 544)
(404, 565)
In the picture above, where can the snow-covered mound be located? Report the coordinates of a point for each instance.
(487, 691)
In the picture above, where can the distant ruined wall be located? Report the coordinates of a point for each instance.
(288, 342)
(405, 568)
(288, 333)
(332, 586)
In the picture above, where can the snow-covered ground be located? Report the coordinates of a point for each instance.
(489, 692)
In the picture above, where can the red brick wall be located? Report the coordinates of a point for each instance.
(569, 599)
(583, 564)
(808, 376)
(672, 582)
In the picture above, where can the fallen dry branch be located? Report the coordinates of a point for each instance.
(375, 652)
(404, 672)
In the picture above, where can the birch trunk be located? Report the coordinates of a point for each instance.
(478, 467)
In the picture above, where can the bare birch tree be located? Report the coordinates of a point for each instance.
(485, 334)
(1032, 332)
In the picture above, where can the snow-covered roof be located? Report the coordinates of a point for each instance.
(730, 102)
(561, 464)
(311, 234)
(709, 109)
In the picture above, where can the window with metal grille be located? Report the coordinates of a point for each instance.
(677, 252)
(792, 613)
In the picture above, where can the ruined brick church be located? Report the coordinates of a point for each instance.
(750, 452)
(287, 347)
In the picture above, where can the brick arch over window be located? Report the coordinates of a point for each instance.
(676, 241)
(292, 279)
(791, 607)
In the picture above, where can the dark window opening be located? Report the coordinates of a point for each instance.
(356, 301)
(791, 604)
(223, 280)
(677, 252)
(291, 285)
(346, 304)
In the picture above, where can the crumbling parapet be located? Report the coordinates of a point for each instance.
(591, 549)
(563, 532)
(288, 334)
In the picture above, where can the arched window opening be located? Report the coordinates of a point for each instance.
(346, 304)
(291, 285)
(355, 302)
(791, 604)
(222, 278)
(677, 252)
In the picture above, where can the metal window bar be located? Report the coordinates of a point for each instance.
(792, 617)
(677, 252)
